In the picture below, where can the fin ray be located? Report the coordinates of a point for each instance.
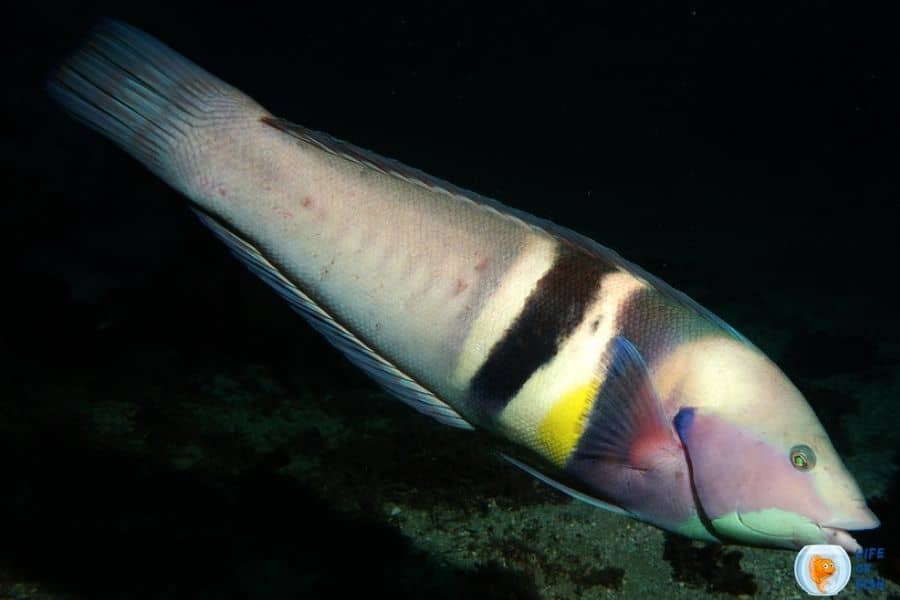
(626, 414)
(140, 93)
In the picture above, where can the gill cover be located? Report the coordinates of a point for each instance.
(738, 497)
(754, 492)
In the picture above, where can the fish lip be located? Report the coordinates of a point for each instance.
(836, 531)
(831, 535)
(867, 521)
(760, 531)
(840, 537)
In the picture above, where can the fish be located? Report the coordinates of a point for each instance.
(593, 375)
(820, 569)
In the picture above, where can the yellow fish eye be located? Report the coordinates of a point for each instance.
(802, 457)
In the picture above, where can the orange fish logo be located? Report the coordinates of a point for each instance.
(820, 569)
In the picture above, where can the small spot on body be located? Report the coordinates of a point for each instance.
(595, 324)
(306, 202)
(460, 287)
(284, 213)
(482, 264)
(222, 191)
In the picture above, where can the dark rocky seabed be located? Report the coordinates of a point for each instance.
(170, 429)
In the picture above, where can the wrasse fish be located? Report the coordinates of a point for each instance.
(820, 569)
(616, 388)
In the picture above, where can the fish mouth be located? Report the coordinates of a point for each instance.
(859, 518)
(830, 535)
(835, 531)
(840, 537)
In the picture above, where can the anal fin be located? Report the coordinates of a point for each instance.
(565, 489)
(385, 373)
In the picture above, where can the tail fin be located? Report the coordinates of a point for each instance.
(141, 94)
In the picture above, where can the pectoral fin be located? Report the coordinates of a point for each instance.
(627, 424)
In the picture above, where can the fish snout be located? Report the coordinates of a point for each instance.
(855, 517)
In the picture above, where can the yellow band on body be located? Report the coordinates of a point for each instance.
(561, 429)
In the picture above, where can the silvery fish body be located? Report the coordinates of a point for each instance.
(616, 388)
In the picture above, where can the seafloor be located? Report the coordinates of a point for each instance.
(149, 455)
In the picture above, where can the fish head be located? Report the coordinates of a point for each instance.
(824, 566)
(763, 470)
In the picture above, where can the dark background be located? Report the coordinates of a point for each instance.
(746, 156)
(764, 138)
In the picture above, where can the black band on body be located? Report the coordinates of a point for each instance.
(553, 310)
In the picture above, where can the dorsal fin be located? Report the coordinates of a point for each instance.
(397, 169)
(392, 379)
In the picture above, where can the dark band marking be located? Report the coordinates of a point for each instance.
(656, 325)
(553, 310)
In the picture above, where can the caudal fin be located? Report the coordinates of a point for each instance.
(141, 94)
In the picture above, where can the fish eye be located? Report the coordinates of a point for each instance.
(802, 457)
